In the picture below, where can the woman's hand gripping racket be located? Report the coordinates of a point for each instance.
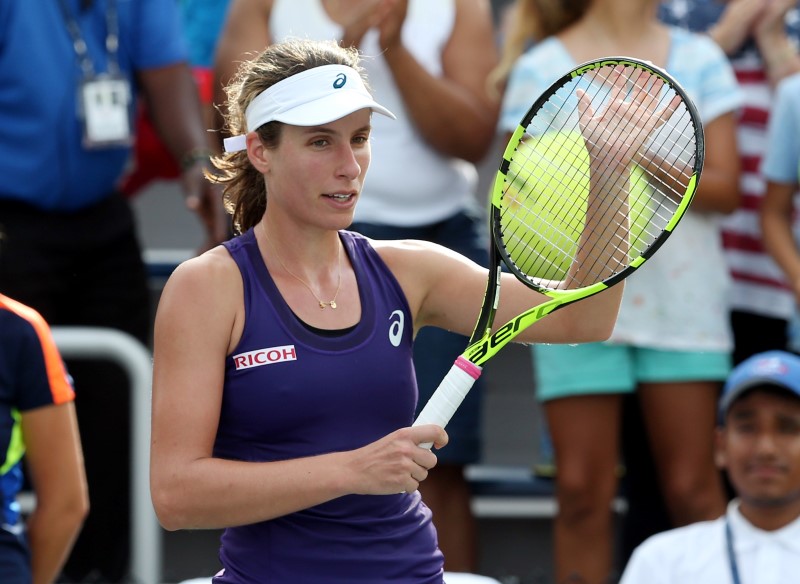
(594, 179)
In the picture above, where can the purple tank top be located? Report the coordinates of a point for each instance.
(290, 393)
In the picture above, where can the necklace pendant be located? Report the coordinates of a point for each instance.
(332, 304)
(321, 305)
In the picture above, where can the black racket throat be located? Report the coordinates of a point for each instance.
(490, 299)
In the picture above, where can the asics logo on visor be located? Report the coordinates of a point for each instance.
(340, 80)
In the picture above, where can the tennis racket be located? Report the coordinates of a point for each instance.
(594, 179)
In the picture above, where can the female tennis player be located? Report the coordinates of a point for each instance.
(284, 389)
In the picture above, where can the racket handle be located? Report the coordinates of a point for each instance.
(448, 396)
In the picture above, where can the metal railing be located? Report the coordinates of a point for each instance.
(135, 359)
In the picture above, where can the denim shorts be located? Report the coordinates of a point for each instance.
(598, 368)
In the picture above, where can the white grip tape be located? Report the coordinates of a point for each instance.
(448, 396)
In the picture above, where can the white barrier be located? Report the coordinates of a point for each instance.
(135, 359)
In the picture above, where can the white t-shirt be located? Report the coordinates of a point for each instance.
(697, 554)
(408, 182)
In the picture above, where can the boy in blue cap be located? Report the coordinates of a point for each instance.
(758, 444)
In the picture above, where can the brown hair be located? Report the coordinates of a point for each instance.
(532, 21)
(245, 193)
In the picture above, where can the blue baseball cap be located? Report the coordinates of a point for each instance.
(771, 368)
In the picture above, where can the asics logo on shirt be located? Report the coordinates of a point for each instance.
(267, 356)
(397, 318)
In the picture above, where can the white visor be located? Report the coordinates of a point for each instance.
(314, 97)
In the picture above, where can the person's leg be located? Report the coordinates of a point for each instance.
(646, 512)
(680, 421)
(585, 438)
(680, 416)
(581, 388)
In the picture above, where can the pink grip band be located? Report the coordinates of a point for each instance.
(468, 367)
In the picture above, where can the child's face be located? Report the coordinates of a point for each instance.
(760, 447)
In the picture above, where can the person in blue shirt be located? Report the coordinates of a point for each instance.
(758, 445)
(781, 171)
(71, 72)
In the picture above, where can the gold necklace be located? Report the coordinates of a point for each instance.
(322, 303)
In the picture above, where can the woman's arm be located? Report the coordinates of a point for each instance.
(719, 183)
(765, 22)
(445, 289)
(199, 319)
(453, 112)
(777, 209)
(55, 464)
(174, 106)
(779, 52)
(246, 32)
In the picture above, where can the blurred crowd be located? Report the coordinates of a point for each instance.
(100, 97)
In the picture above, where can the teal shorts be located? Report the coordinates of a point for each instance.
(597, 368)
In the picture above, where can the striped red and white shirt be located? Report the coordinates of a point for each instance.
(759, 286)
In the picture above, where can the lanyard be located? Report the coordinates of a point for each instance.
(731, 552)
(82, 50)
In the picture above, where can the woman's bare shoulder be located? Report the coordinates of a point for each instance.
(406, 249)
(212, 275)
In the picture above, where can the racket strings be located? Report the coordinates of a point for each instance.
(564, 207)
(544, 210)
(652, 219)
(609, 213)
(563, 204)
